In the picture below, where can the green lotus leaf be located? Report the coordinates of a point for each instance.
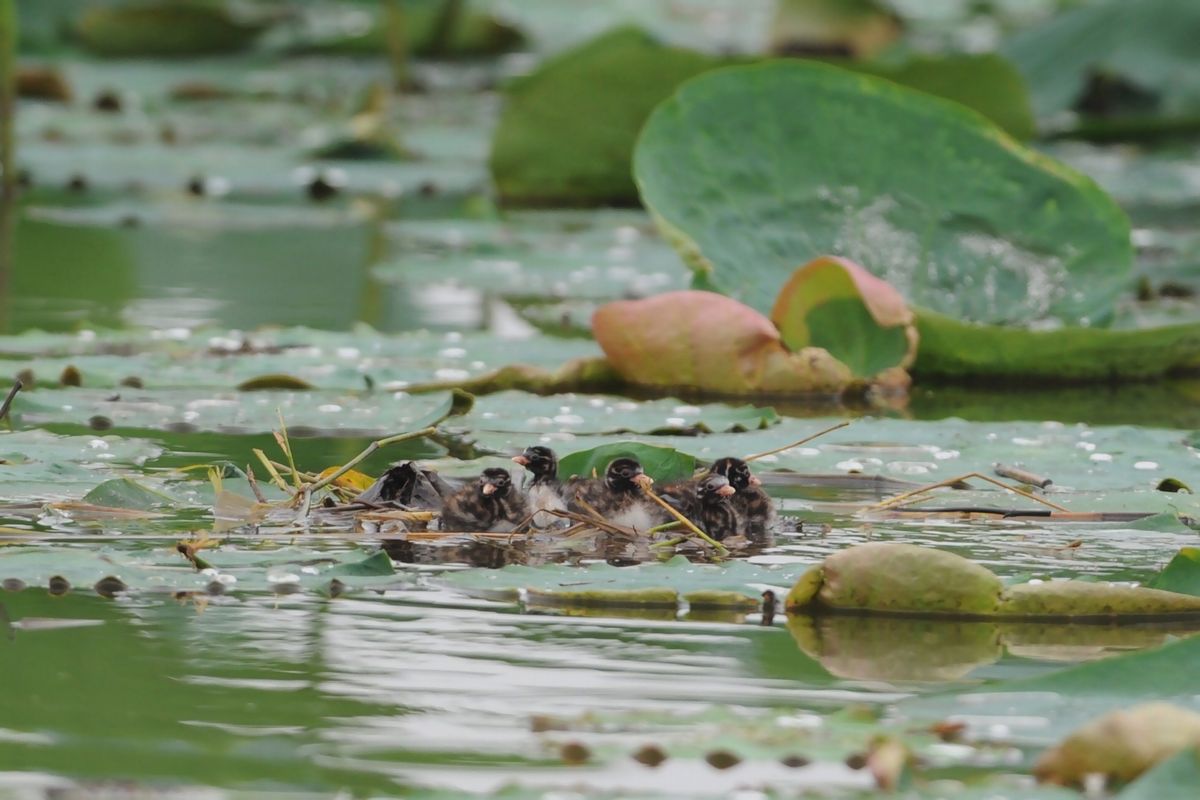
(567, 132)
(894, 577)
(1083, 599)
(958, 217)
(163, 29)
(838, 306)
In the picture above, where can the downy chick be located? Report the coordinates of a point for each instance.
(488, 504)
(751, 502)
(544, 491)
(714, 511)
(617, 497)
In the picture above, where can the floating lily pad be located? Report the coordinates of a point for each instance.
(518, 412)
(664, 464)
(127, 493)
(728, 585)
(304, 413)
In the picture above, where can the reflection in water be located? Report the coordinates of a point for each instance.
(375, 693)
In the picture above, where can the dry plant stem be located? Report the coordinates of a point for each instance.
(687, 523)
(905, 497)
(805, 440)
(258, 495)
(593, 522)
(1022, 475)
(678, 540)
(303, 499)
(270, 468)
(284, 469)
(285, 445)
(366, 453)
(8, 401)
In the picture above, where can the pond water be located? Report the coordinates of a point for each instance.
(254, 676)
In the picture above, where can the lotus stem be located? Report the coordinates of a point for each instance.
(687, 523)
(805, 440)
(904, 497)
(366, 453)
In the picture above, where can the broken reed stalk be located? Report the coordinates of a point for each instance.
(593, 521)
(805, 440)
(366, 453)
(12, 394)
(8, 159)
(1022, 475)
(285, 469)
(258, 495)
(687, 523)
(285, 444)
(270, 468)
(904, 497)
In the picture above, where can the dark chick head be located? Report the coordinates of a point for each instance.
(495, 482)
(540, 461)
(737, 471)
(626, 475)
(714, 489)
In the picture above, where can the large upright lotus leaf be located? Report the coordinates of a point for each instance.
(751, 170)
(985, 82)
(567, 132)
(835, 304)
(162, 29)
(1153, 45)
(1181, 575)
(705, 341)
(475, 33)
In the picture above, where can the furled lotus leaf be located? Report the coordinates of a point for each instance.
(890, 649)
(905, 578)
(702, 340)
(861, 320)
(804, 592)
(1120, 745)
(1181, 575)
(1082, 599)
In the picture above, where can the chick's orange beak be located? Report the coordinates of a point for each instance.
(522, 460)
(489, 488)
(643, 480)
(754, 481)
(726, 490)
